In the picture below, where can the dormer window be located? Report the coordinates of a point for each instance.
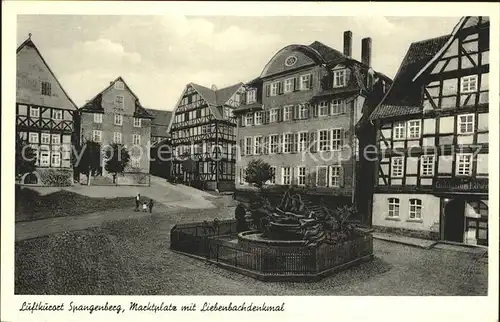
(251, 96)
(339, 78)
(119, 85)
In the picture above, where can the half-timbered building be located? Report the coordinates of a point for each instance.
(45, 117)
(115, 115)
(299, 115)
(202, 136)
(431, 177)
(161, 145)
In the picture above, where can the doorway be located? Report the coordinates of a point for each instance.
(454, 216)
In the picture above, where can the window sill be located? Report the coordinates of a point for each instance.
(393, 218)
(419, 221)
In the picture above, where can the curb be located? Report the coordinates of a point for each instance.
(404, 243)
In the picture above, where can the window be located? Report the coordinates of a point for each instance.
(288, 85)
(397, 167)
(273, 177)
(56, 139)
(34, 111)
(287, 113)
(44, 158)
(248, 146)
(337, 139)
(301, 176)
(339, 78)
(415, 209)
(97, 118)
(97, 135)
(303, 112)
(118, 119)
(393, 207)
(324, 142)
(414, 129)
(466, 124)
(335, 176)
(398, 131)
(302, 141)
(249, 119)
(275, 88)
(273, 116)
(46, 89)
(286, 175)
(136, 139)
(464, 164)
(45, 138)
(257, 149)
(119, 101)
(469, 84)
(117, 137)
(57, 114)
(427, 165)
(337, 106)
(323, 108)
(274, 143)
(56, 159)
(137, 122)
(251, 96)
(119, 85)
(33, 138)
(287, 142)
(258, 118)
(305, 82)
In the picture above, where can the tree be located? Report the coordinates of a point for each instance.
(90, 158)
(25, 157)
(117, 159)
(258, 172)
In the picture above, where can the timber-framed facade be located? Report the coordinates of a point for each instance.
(45, 118)
(431, 176)
(202, 136)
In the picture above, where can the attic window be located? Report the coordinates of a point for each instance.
(339, 78)
(251, 96)
(46, 89)
(290, 61)
(119, 85)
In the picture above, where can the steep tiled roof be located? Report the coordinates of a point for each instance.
(216, 98)
(207, 94)
(404, 94)
(384, 111)
(329, 54)
(94, 104)
(224, 94)
(161, 117)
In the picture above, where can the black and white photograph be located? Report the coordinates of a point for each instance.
(247, 158)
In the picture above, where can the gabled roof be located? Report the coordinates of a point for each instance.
(403, 92)
(394, 110)
(29, 43)
(161, 117)
(214, 98)
(94, 104)
(464, 22)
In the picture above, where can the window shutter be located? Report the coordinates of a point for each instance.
(312, 142)
(280, 114)
(295, 112)
(280, 87)
(296, 82)
(348, 76)
(280, 143)
(330, 142)
(310, 81)
(330, 110)
(242, 147)
(265, 147)
(341, 176)
(311, 177)
(343, 136)
(268, 90)
(295, 142)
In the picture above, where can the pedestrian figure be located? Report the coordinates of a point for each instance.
(145, 207)
(150, 205)
(137, 202)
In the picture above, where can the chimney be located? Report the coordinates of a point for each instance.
(366, 51)
(348, 43)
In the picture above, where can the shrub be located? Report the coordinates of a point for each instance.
(58, 178)
(258, 172)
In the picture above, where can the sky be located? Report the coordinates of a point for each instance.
(159, 55)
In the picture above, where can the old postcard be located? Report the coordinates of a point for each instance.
(279, 160)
